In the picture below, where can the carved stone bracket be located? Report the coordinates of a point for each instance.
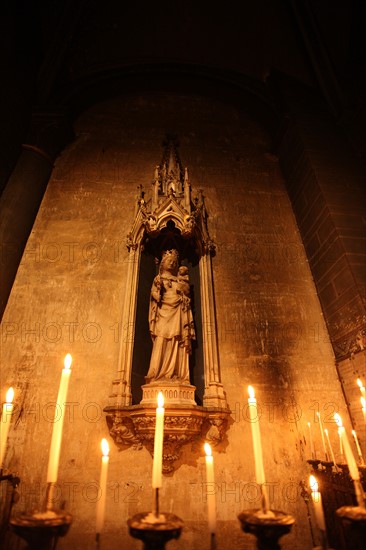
(135, 426)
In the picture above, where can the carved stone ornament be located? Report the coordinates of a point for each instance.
(135, 427)
(168, 205)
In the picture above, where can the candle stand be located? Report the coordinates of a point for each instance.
(323, 542)
(41, 529)
(10, 496)
(338, 492)
(353, 521)
(154, 531)
(266, 528)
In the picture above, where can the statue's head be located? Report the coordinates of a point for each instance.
(170, 261)
(183, 271)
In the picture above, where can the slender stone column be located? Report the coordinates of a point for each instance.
(22, 196)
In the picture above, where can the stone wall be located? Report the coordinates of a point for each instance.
(326, 186)
(68, 297)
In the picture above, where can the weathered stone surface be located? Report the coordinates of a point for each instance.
(68, 297)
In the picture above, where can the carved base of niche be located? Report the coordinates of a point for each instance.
(174, 393)
(135, 426)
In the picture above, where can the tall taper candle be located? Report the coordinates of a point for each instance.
(55, 448)
(257, 447)
(330, 447)
(311, 442)
(361, 386)
(322, 435)
(350, 459)
(363, 403)
(211, 496)
(158, 443)
(317, 501)
(358, 447)
(341, 458)
(103, 487)
(5, 422)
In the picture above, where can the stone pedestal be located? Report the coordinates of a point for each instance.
(175, 393)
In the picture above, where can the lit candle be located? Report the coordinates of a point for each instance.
(211, 497)
(340, 447)
(158, 443)
(311, 442)
(317, 501)
(58, 422)
(322, 434)
(330, 446)
(357, 446)
(362, 387)
(363, 403)
(257, 446)
(5, 422)
(352, 465)
(103, 486)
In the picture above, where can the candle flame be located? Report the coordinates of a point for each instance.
(160, 400)
(9, 395)
(208, 450)
(105, 447)
(363, 403)
(251, 392)
(313, 484)
(338, 420)
(67, 361)
(326, 431)
(359, 383)
(354, 434)
(309, 424)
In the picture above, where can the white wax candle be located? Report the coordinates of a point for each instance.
(55, 448)
(7, 411)
(158, 443)
(363, 403)
(340, 445)
(357, 446)
(311, 442)
(330, 446)
(322, 435)
(317, 501)
(256, 436)
(352, 465)
(103, 486)
(211, 496)
(362, 387)
(257, 446)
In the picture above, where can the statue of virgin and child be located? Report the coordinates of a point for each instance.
(170, 321)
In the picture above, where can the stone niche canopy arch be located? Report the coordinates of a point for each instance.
(168, 218)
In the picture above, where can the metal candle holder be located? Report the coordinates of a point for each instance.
(155, 529)
(353, 520)
(6, 505)
(267, 528)
(155, 534)
(41, 529)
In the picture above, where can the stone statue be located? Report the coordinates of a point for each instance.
(170, 321)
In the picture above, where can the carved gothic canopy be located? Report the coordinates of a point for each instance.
(168, 219)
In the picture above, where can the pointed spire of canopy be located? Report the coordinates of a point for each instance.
(169, 175)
